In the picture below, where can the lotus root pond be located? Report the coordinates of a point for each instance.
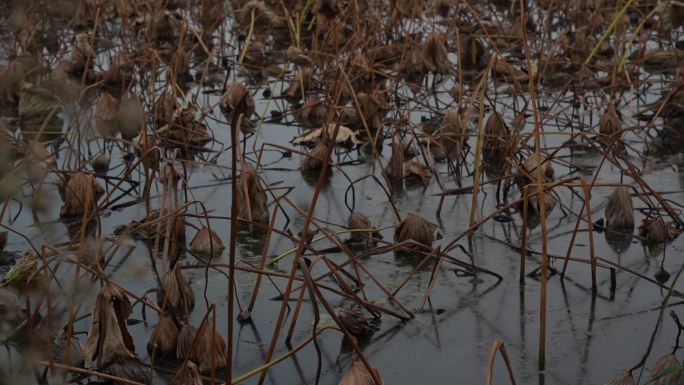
(344, 192)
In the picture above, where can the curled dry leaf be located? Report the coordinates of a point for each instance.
(175, 295)
(356, 323)
(417, 172)
(358, 374)
(609, 124)
(655, 230)
(311, 114)
(185, 130)
(107, 115)
(527, 173)
(253, 198)
(345, 135)
(362, 228)
(235, 94)
(187, 374)
(207, 243)
(658, 376)
(209, 350)
(314, 161)
(80, 195)
(395, 166)
(620, 210)
(416, 228)
(186, 339)
(496, 137)
(299, 85)
(164, 339)
(108, 338)
(434, 52)
(627, 379)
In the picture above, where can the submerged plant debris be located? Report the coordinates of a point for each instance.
(341, 192)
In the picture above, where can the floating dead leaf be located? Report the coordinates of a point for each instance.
(345, 135)
(164, 339)
(175, 295)
(207, 243)
(620, 210)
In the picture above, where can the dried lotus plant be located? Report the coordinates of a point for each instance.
(358, 374)
(209, 350)
(434, 52)
(609, 124)
(80, 194)
(187, 374)
(667, 371)
(207, 242)
(358, 325)
(620, 210)
(314, 160)
(237, 95)
(253, 198)
(164, 339)
(415, 228)
(109, 345)
(496, 136)
(362, 230)
(175, 295)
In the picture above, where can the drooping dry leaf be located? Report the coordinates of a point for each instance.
(417, 172)
(175, 294)
(187, 374)
(619, 210)
(164, 339)
(364, 230)
(80, 195)
(668, 361)
(358, 374)
(416, 228)
(207, 243)
(252, 196)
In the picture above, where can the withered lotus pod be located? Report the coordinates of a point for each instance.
(207, 242)
(235, 94)
(416, 228)
(365, 233)
(627, 379)
(187, 374)
(356, 323)
(209, 349)
(175, 294)
(434, 52)
(186, 339)
(253, 198)
(314, 161)
(609, 124)
(496, 136)
(619, 210)
(665, 362)
(108, 338)
(358, 374)
(81, 193)
(164, 339)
